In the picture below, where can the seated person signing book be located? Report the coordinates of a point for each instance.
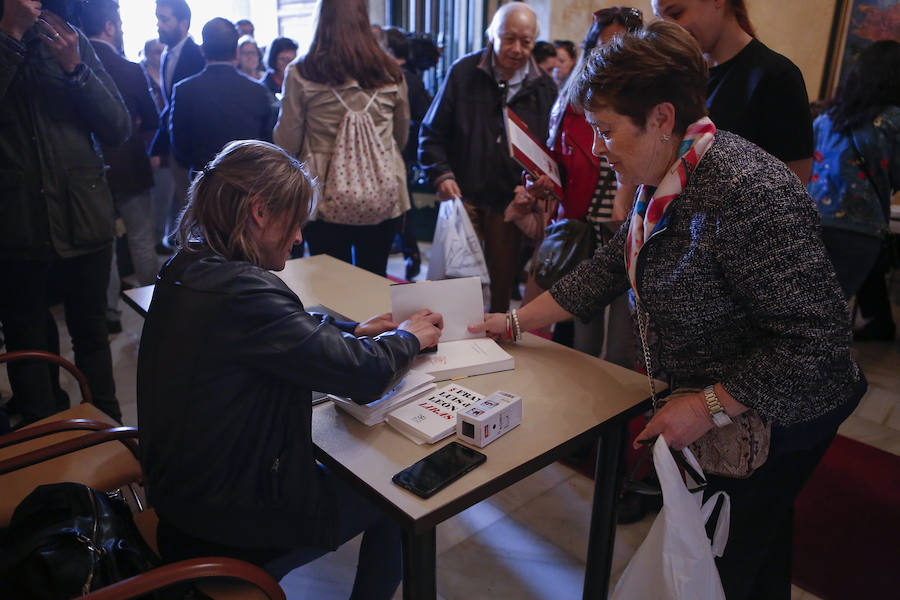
(227, 363)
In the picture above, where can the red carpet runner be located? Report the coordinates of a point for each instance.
(847, 526)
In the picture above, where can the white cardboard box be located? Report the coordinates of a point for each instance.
(490, 418)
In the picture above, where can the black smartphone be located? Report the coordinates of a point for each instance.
(439, 469)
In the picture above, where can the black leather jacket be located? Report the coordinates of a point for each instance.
(227, 362)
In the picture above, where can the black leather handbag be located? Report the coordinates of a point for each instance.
(66, 539)
(566, 243)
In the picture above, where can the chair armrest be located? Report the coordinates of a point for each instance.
(190, 570)
(50, 357)
(127, 435)
(36, 431)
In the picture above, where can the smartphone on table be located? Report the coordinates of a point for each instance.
(439, 469)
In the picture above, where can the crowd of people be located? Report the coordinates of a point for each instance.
(731, 230)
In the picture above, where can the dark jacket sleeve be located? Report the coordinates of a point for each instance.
(268, 114)
(98, 101)
(436, 133)
(280, 338)
(180, 135)
(12, 55)
(595, 282)
(145, 108)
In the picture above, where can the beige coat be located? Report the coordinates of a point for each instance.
(310, 115)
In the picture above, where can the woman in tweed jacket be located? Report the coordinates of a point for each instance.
(722, 251)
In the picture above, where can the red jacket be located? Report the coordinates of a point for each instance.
(571, 139)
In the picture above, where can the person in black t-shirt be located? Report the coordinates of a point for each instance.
(753, 91)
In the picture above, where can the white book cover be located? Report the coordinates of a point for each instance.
(459, 352)
(458, 300)
(432, 418)
(463, 358)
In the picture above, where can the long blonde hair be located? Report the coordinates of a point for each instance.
(218, 211)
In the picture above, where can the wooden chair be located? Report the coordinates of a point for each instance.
(103, 467)
(84, 445)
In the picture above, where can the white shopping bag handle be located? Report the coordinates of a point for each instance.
(674, 487)
(723, 523)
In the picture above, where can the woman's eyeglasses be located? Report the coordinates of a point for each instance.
(625, 15)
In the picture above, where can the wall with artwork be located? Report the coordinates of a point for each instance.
(857, 24)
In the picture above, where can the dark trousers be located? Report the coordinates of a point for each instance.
(366, 246)
(379, 568)
(854, 256)
(872, 296)
(502, 242)
(28, 325)
(757, 559)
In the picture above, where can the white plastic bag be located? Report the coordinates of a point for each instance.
(456, 250)
(675, 561)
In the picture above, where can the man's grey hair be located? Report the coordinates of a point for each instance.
(503, 12)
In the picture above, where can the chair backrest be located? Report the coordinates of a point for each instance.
(39, 461)
(85, 449)
(59, 360)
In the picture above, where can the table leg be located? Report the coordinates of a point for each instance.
(419, 565)
(607, 479)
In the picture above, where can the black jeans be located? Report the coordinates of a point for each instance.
(379, 566)
(366, 246)
(757, 559)
(28, 325)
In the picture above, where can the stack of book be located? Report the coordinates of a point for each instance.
(415, 385)
(431, 418)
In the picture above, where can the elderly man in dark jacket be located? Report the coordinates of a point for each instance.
(56, 210)
(462, 142)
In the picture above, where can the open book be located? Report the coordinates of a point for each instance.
(459, 353)
(529, 152)
(432, 418)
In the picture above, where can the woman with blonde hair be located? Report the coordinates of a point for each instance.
(227, 364)
(345, 70)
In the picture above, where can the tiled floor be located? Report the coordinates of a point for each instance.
(529, 541)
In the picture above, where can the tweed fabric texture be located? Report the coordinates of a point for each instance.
(738, 289)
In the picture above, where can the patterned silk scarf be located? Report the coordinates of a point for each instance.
(651, 209)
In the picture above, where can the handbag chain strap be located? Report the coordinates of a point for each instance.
(643, 322)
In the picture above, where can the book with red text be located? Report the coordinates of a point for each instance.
(432, 418)
(530, 152)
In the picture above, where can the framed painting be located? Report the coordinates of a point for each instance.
(856, 24)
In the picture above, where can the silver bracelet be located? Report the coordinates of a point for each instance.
(517, 329)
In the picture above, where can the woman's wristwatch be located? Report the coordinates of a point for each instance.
(716, 411)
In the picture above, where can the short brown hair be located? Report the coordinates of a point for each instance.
(637, 71)
(219, 199)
